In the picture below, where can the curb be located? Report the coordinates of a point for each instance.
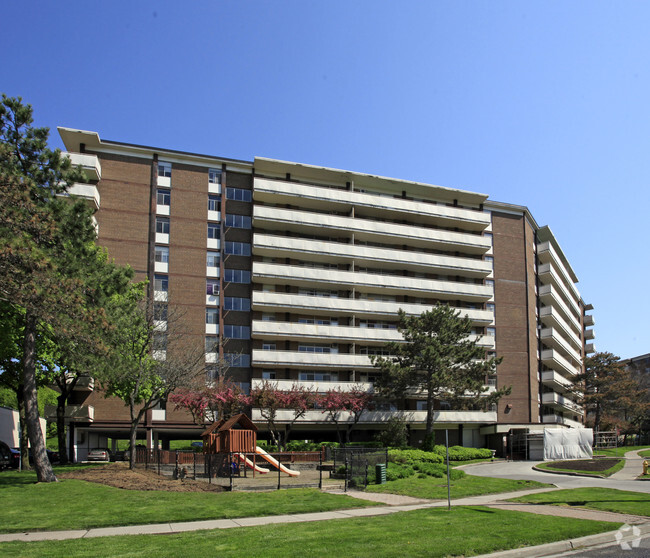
(568, 473)
(581, 543)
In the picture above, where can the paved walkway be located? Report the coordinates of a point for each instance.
(393, 503)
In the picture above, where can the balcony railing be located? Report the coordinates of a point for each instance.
(73, 413)
(89, 163)
(322, 387)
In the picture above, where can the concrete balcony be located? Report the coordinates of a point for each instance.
(547, 255)
(337, 252)
(550, 296)
(273, 331)
(308, 223)
(159, 415)
(414, 418)
(89, 164)
(560, 402)
(552, 318)
(553, 359)
(300, 359)
(160, 296)
(361, 308)
(212, 300)
(589, 320)
(87, 192)
(555, 419)
(335, 199)
(590, 348)
(84, 383)
(320, 387)
(589, 334)
(556, 381)
(162, 210)
(548, 275)
(553, 340)
(397, 285)
(73, 413)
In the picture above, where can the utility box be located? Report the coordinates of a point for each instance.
(380, 473)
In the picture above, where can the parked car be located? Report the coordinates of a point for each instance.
(53, 456)
(5, 456)
(15, 458)
(99, 454)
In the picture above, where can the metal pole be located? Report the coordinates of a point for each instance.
(346, 474)
(320, 470)
(230, 469)
(448, 483)
(278, 458)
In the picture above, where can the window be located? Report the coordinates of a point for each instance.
(162, 254)
(164, 169)
(214, 203)
(214, 176)
(319, 292)
(161, 283)
(162, 225)
(374, 351)
(211, 316)
(159, 342)
(268, 318)
(212, 287)
(237, 304)
(319, 376)
(268, 346)
(491, 331)
(319, 321)
(160, 311)
(238, 221)
(238, 194)
(163, 197)
(268, 375)
(211, 344)
(213, 259)
(490, 306)
(237, 276)
(214, 230)
(237, 360)
(236, 332)
(318, 348)
(489, 282)
(238, 248)
(376, 324)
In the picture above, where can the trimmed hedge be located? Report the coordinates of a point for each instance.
(413, 455)
(459, 453)
(396, 471)
(438, 470)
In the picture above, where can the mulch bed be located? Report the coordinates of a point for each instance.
(587, 465)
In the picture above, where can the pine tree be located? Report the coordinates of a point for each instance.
(440, 358)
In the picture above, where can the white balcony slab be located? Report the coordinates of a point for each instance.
(549, 275)
(160, 296)
(559, 401)
(164, 181)
(370, 282)
(158, 414)
(73, 413)
(320, 387)
(277, 246)
(265, 301)
(214, 244)
(214, 188)
(212, 329)
(551, 317)
(162, 238)
(300, 359)
(556, 381)
(87, 192)
(551, 296)
(90, 164)
(553, 340)
(553, 359)
(162, 210)
(161, 267)
(212, 300)
(275, 218)
(212, 272)
(277, 191)
(214, 216)
(414, 418)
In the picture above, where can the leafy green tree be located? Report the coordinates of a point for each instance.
(609, 392)
(46, 245)
(440, 358)
(147, 362)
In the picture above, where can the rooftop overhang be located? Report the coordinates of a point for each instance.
(325, 175)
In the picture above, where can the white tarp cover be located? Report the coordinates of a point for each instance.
(574, 443)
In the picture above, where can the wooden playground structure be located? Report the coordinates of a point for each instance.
(237, 437)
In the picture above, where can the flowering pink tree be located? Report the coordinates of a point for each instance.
(269, 399)
(222, 399)
(355, 401)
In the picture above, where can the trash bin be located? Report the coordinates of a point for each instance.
(380, 473)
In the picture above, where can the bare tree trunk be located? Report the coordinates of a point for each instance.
(60, 427)
(24, 437)
(44, 472)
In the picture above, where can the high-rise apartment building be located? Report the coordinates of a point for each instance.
(295, 273)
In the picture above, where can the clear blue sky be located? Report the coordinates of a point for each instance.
(543, 104)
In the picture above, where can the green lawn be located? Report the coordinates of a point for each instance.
(606, 473)
(75, 504)
(466, 531)
(618, 452)
(436, 489)
(602, 499)
(645, 453)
